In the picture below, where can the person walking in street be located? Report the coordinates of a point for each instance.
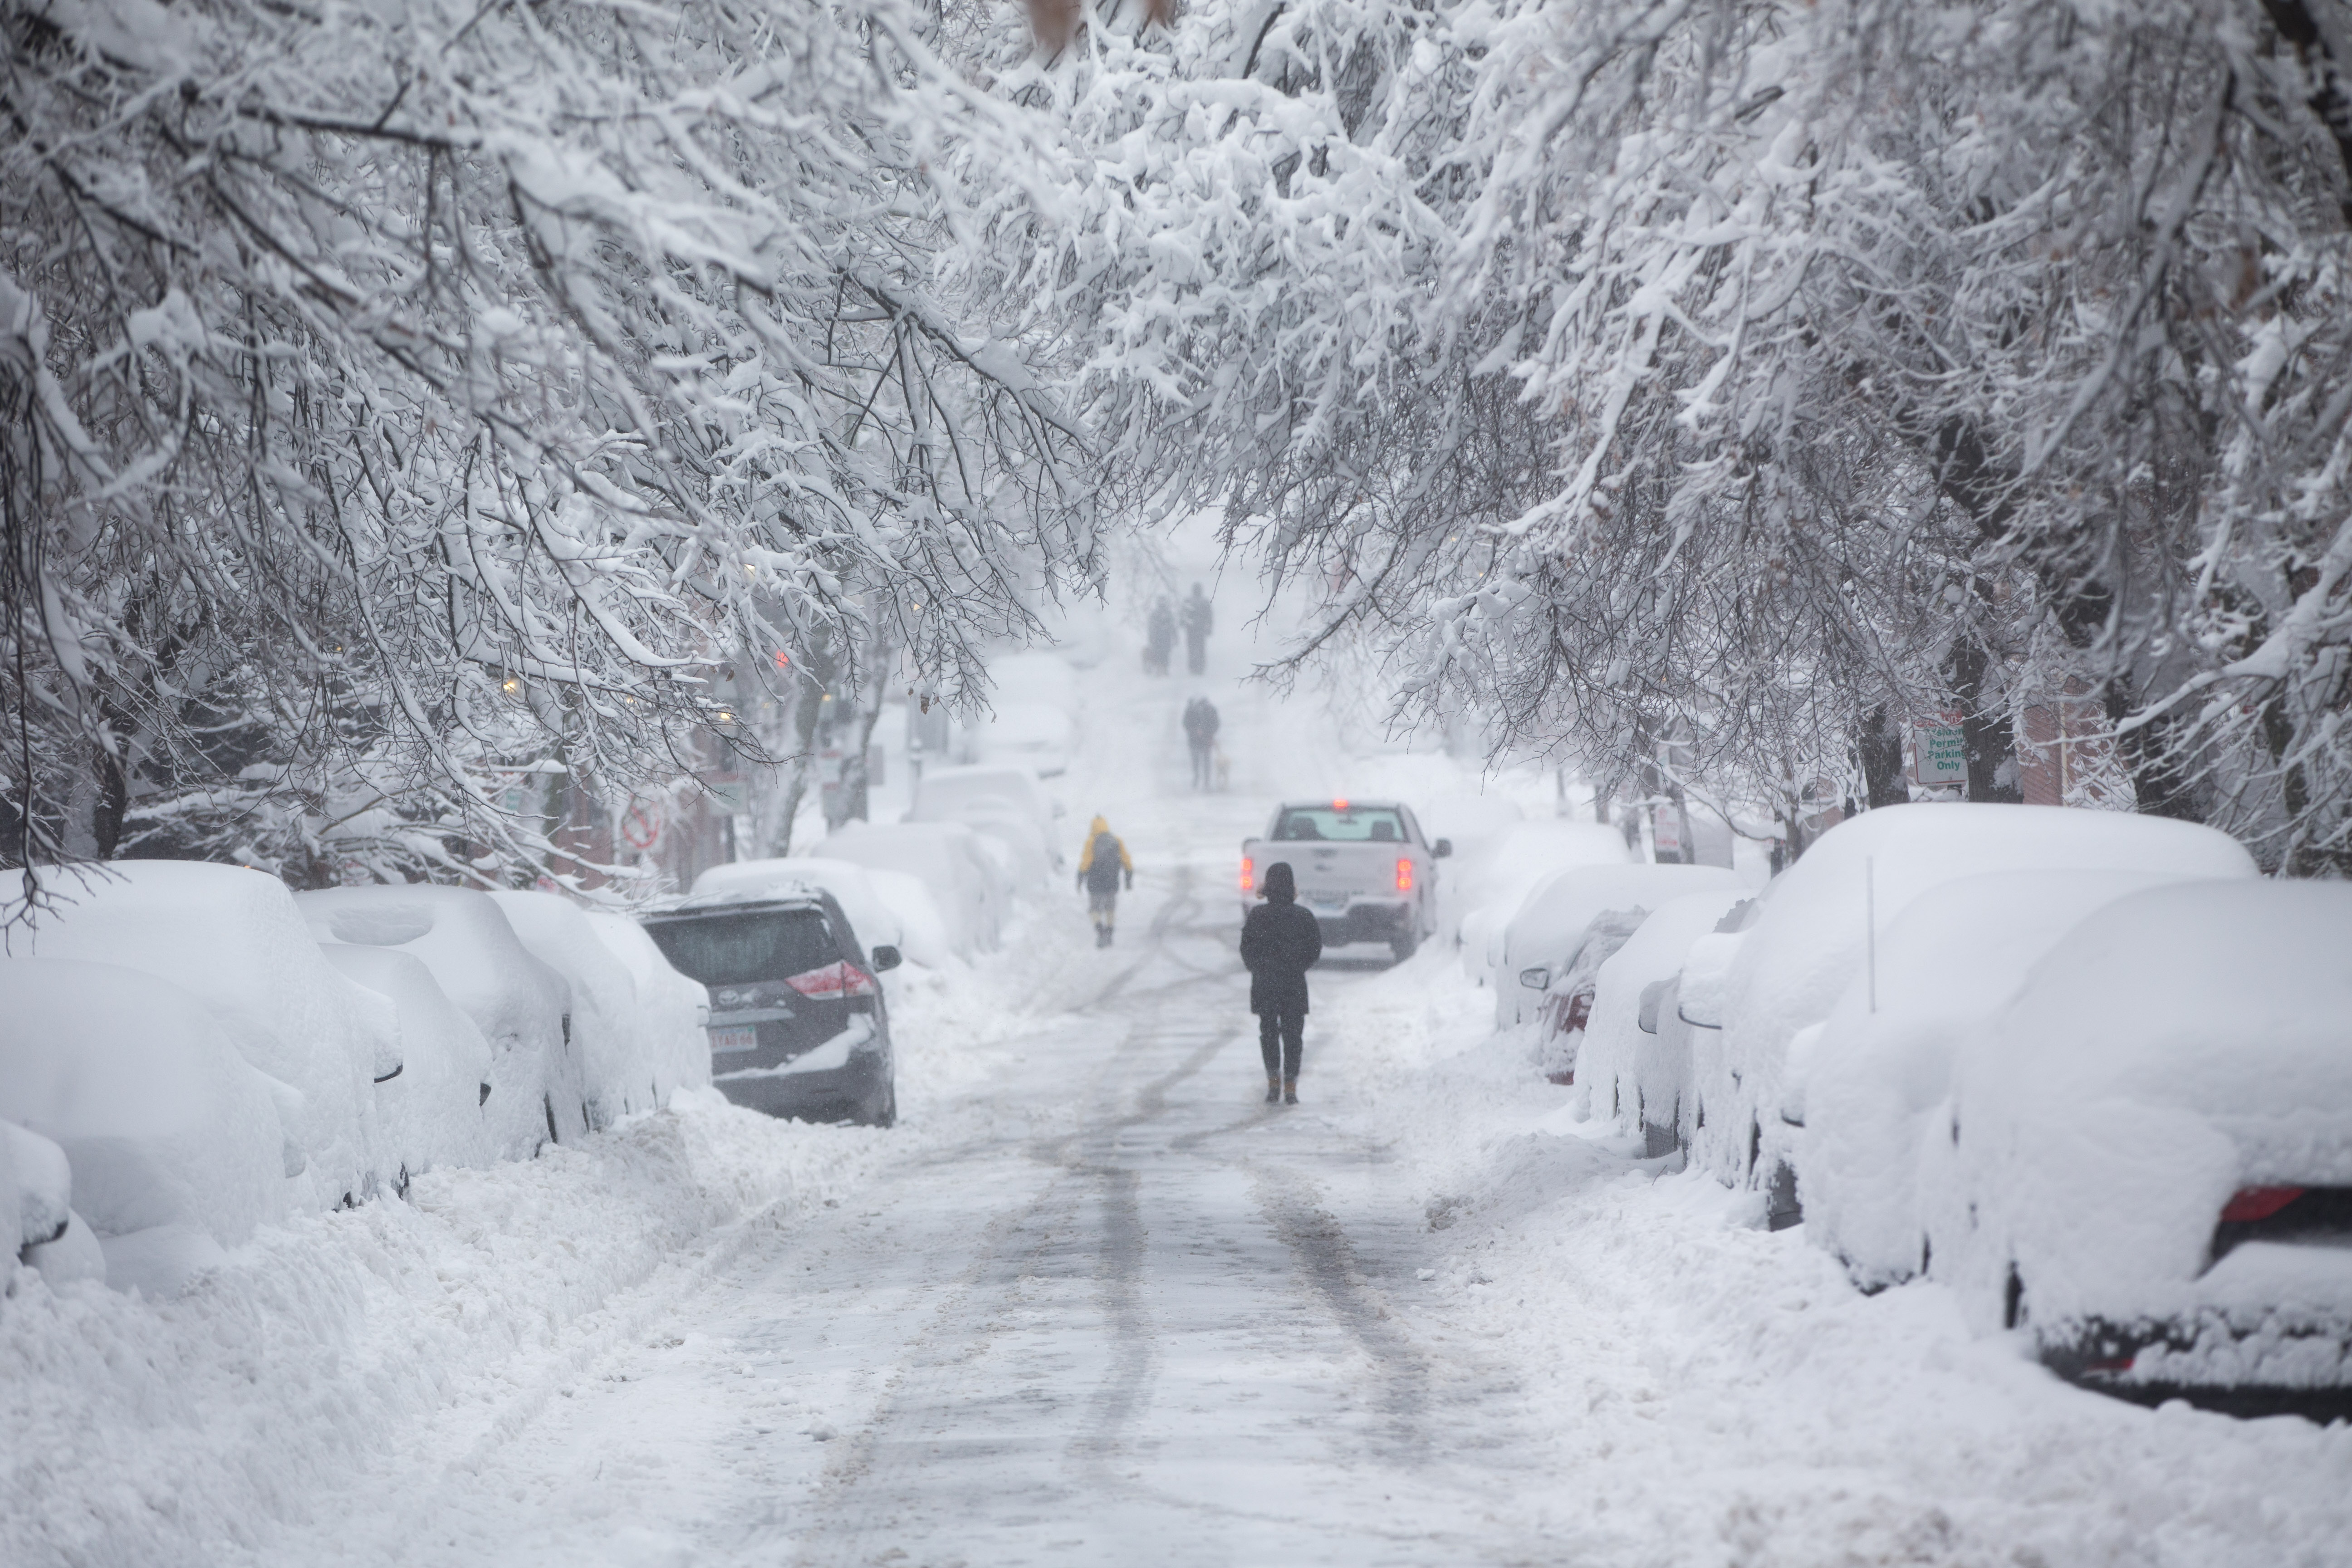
(1158, 636)
(1197, 622)
(1201, 734)
(1100, 867)
(1280, 943)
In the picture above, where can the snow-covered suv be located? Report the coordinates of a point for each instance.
(798, 1027)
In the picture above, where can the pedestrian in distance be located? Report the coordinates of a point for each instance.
(1197, 623)
(1201, 734)
(1101, 867)
(1280, 943)
(1158, 636)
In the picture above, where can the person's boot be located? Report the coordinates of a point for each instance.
(1272, 1089)
(1290, 1092)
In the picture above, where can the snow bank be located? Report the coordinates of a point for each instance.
(145, 1433)
(1879, 1071)
(1807, 944)
(1549, 925)
(539, 1093)
(173, 1141)
(2179, 1045)
(1622, 1071)
(968, 886)
(234, 939)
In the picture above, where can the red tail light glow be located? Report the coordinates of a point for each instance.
(835, 982)
(1249, 875)
(2251, 1204)
(1404, 876)
(1339, 805)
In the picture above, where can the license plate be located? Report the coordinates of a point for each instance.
(1328, 901)
(735, 1040)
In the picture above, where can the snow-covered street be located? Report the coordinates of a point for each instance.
(1092, 1302)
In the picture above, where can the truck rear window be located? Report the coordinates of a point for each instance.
(1378, 824)
(730, 950)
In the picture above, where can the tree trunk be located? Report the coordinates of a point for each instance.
(1985, 735)
(1881, 745)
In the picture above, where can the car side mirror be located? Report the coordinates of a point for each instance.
(1441, 850)
(886, 958)
(1535, 979)
(1652, 994)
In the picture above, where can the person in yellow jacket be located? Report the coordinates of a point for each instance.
(1101, 867)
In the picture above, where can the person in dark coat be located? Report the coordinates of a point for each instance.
(1198, 616)
(1280, 943)
(1200, 735)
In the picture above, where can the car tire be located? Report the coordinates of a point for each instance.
(887, 1113)
(1405, 946)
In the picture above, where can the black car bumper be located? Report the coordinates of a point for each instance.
(1365, 923)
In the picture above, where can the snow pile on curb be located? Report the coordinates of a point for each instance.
(142, 1432)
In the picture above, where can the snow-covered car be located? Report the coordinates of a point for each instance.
(1876, 1076)
(1534, 954)
(1635, 1059)
(1362, 867)
(799, 1025)
(1807, 936)
(1002, 803)
(2146, 1163)
(176, 1147)
(537, 1091)
(1488, 887)
(234, 939)
(966, 874)
(1033, 736)
(629, 1060)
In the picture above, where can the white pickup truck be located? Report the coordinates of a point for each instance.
(1361, 865)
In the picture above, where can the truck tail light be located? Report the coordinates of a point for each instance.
(2251, 1204)
(1404, 876)
(1249, 875)
(835, 982)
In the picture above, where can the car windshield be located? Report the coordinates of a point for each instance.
(1354, 823)
(734, 949)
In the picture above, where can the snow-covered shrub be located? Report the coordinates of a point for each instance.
(967, 883)
(175, 1142)
(2181, 1052)
(1549, 926)
(1812, 929)
(236, 940)
(1622, 1071)
(538, 1089)
(1000, 803)
(1875, 1079)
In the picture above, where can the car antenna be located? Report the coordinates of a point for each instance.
(1870, 923)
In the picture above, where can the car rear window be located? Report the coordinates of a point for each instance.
(1351, 824)
(730, 950)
